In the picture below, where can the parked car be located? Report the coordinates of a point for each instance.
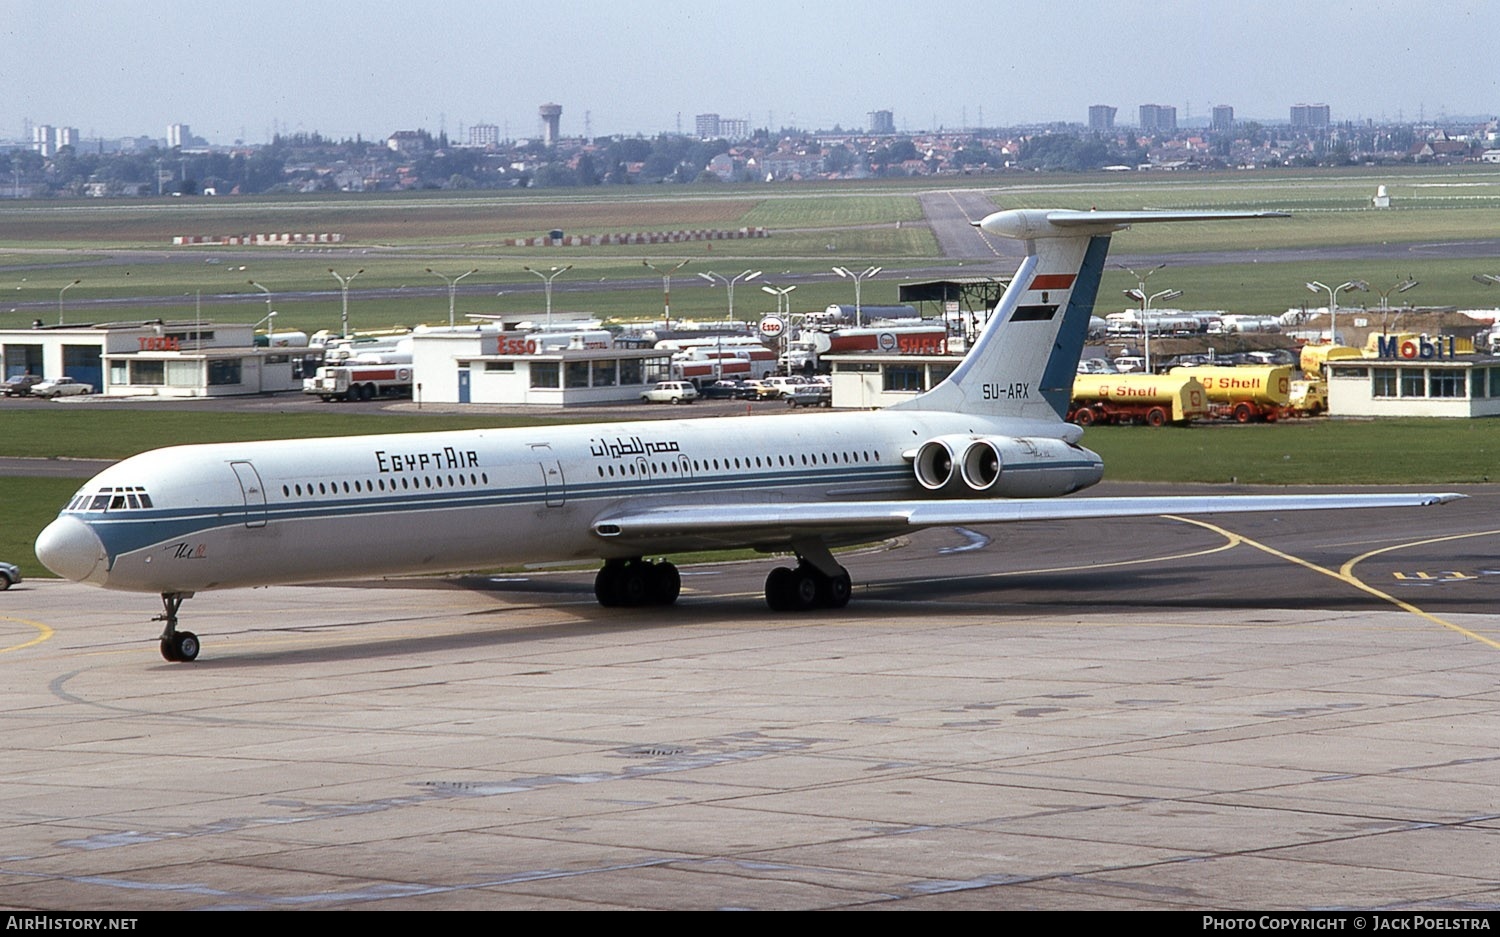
(10, 574)
(671, 392)
(20, 385)
(722, 390)
(810, 395)
(780, 386)
(61, 387)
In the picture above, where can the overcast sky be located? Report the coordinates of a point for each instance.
(239, 71)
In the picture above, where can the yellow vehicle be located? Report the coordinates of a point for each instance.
(1152, 399)
(1244, 394)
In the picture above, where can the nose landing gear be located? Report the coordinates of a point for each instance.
(176, 646)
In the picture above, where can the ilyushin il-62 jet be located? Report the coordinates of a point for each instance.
(987, 445)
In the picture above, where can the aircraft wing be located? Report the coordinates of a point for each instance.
(766, 524)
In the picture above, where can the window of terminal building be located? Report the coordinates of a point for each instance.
(225, 371)
(903, 377)
(576, 374)
(658, 369)
(545, 374)
(630, 371)
(507, 366)
(604, 373)
(1413, 382)
(1446, 383)
(148, 373)
(1383, 381)
(937, 373)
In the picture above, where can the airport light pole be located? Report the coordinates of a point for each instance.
(747, 276)
(666, 287)
(59, 299)
(857, 278)
(270, 313)
(1146, 302)
(547, 279)
(1385, 298)
(1139, 294)
(1333, 300)
(452, 289)
(344, 286)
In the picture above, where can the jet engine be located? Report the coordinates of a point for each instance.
(1005, 466)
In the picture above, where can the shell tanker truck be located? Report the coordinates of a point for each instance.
(1152, 399)
(1246, 394)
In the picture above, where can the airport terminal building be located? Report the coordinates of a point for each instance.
(510, 368)
(1446, 386)
(156, 359)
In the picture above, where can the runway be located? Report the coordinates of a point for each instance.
(1256, 711)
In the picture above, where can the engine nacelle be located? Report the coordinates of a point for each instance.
(1005, 466)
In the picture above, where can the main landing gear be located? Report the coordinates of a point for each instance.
(635, 582)
(817, 582)
(176, 645)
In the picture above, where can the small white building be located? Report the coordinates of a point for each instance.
(872, 380)
(169, 359)
(513, 368)
(1456, 386)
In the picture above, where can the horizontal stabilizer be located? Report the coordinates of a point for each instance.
(1028, 223)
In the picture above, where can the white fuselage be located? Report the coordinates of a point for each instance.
(192, 518)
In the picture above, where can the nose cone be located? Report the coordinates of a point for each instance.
(69, 548)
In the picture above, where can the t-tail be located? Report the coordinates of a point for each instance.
(1024, 361)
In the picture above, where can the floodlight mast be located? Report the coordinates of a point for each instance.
(59, 299)
(666, 287)
(747, 276)
(547, 279)
(452, 289)
(1139, 295)
(857, 278)
(1333, 300)
(270, 313)
(344, 287)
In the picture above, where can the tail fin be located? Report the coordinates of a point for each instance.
(1024, 361)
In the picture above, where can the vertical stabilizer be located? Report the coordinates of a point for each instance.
(1024, 361)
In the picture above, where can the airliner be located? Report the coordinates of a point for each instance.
(986, 445)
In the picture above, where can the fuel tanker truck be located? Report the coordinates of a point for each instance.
(1245, 395)
(1152, 399)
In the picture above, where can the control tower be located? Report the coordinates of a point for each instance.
(551, 116)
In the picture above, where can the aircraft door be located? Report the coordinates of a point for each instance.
(254, 493)
(554, 483)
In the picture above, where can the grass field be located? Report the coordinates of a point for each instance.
(120, 248)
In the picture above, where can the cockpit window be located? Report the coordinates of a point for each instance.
(111, 499)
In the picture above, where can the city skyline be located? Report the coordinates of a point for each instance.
(130, 69)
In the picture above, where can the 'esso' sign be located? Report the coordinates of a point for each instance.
(516, 346)
(772, 326)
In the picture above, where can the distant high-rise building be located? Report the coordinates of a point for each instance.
(1158, 117)
(1102, 117)
(707, 126)
(734, 129)
(484, 135)
(178, 135)
(1310, 117)
(66, 136)
(44, 139)
(882, 123)
(1223, 118)
(551, 122)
